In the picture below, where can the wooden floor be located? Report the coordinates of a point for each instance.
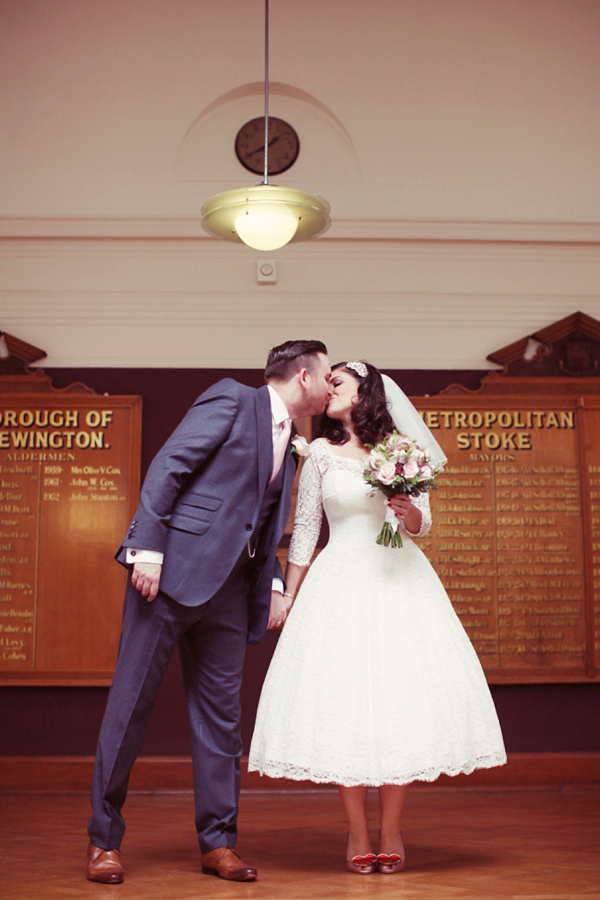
(540, 844)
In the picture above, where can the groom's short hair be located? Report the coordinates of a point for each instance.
(285, 360)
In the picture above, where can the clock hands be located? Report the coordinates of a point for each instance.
(262, 147)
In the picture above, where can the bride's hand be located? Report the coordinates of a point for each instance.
(406, 512)
(278, 612)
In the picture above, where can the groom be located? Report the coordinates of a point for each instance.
(204, 574)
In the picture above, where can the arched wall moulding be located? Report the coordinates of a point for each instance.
(327, 150)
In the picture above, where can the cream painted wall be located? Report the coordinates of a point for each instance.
(456, 140)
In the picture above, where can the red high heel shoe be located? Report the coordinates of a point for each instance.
(390, 863)
(362, 865)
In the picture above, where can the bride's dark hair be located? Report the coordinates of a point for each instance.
(370, 415)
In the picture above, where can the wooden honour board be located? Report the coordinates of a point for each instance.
(69, 484)
(516, 533)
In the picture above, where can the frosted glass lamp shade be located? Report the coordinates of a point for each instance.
(265, 216)
(266, 230)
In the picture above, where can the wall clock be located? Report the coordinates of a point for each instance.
(284, 146)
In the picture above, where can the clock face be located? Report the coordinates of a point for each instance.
(284, 146)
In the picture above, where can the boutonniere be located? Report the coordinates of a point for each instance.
(300, 447)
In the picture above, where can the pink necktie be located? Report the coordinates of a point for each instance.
(281, 447)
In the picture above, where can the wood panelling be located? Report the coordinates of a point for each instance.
(74, 773)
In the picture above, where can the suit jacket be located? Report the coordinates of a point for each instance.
(201, 497)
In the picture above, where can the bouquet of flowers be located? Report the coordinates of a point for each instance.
(397, 465)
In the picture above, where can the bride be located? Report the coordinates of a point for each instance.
(373, 682)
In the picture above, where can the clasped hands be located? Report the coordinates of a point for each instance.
(280, 607)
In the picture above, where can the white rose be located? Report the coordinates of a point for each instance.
(376, 459)
(425, 473)
(301, 445)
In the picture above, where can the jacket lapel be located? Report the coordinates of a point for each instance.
(264, 430)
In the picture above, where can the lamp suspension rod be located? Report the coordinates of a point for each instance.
(266, 178)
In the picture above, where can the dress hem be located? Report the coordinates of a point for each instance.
(295, 774)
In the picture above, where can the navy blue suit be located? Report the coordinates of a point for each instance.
(205, 502)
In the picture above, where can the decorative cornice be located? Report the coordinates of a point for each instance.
(342, 229)
(219, 308)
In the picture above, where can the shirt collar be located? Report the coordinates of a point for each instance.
(278, 407)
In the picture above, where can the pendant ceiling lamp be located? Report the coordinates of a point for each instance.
(266, 216)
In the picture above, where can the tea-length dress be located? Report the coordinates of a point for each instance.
(374, 680)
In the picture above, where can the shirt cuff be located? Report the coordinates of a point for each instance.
(144, 556)
(278, 585)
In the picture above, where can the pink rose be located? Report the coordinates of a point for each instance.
(411, 469)
(387, 472)
(425, 473)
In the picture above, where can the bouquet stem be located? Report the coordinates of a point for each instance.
(389, 537)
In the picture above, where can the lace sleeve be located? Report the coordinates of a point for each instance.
(309, 511)
(421, 501)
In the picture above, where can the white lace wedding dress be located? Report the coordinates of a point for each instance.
(373, 681)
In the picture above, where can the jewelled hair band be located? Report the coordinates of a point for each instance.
(359, 368)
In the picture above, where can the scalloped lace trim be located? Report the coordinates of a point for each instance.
(297, 773)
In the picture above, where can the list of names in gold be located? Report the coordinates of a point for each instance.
(65, 485)
(19, 503)
(507, 541)
(462, 548)
(594, 483)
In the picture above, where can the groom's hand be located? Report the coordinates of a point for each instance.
(146, 577)
(278, 611)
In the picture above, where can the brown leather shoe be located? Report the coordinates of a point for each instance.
(225, 863)
(104, 865)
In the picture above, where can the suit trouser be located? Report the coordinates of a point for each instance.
(212, 643)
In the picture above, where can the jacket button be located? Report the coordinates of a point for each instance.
(248, 527)
(133, 552)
